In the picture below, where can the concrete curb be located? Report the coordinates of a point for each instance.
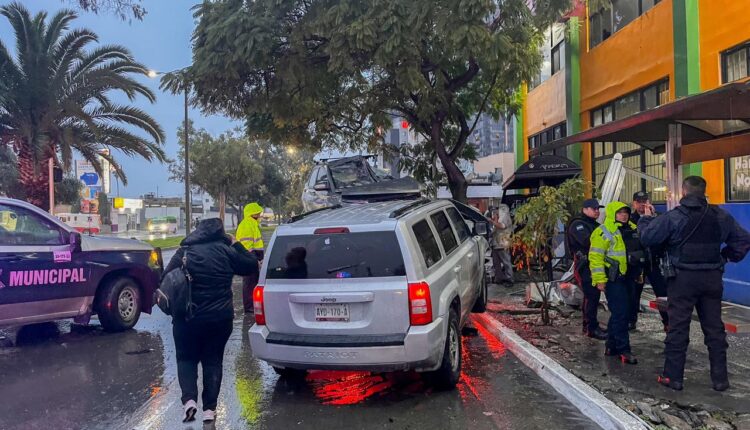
(590, 402)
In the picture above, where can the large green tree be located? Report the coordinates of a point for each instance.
(333, 72)
(56, 99)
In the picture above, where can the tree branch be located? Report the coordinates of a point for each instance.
(463, 79)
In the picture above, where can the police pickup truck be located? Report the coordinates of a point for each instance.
(49, 271)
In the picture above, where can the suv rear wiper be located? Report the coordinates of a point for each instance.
(336, 269)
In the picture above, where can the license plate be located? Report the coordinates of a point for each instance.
(332, 312)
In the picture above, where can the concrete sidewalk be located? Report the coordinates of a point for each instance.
(634, 387)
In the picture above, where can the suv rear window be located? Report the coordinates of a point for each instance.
(445, 231)
(427, 243)
(341, 255)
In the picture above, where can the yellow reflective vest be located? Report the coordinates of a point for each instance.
(248, 232)
(607, 241)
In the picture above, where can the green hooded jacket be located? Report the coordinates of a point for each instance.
(607, 241)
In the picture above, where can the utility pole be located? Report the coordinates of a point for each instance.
(188, 201)
(51, 181)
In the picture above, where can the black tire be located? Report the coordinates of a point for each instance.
(291, 374)
(480, 306)
(119, 304)
(447, 376)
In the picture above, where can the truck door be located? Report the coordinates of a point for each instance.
(39, 276)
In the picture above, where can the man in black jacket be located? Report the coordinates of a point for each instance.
(693, 234)
(578, 241)
(213, 258)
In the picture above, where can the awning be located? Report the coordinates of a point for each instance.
(714, 125)
(541, 170)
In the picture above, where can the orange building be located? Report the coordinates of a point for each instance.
(605, 65)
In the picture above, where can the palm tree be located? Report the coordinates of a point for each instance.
(55, 99)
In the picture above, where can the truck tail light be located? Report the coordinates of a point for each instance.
(420, 303)
(258, 308)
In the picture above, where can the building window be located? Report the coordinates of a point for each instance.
(553, 54)
(549, 135)
(633, 155)
(735, 63)
(607, 21)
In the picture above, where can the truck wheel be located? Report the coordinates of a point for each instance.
(119, 304)
(447, 376)
(481, 304)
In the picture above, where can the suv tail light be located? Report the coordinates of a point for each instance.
(258, 308)
(420, 303)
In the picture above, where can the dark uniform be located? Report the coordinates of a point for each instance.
(693, 234)
(578, 240)
(655, 279)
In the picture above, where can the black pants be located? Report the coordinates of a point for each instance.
(659, 285)
(703, 291)
(591, 296)
(201, 342)
(618, 339)
(248, 284)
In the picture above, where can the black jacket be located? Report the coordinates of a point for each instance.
(213, 261)
(669, 230)
(578, 234)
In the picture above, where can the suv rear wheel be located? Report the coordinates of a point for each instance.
(447, 376)
(119, 304)
(481, 304)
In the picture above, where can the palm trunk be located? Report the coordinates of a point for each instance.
(33, 178)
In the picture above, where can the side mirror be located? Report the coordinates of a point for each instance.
(75, 241)
(481, 228)
(322, 186)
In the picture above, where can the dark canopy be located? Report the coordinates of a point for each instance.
(542, 170)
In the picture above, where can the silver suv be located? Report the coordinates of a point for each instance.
(377, 286)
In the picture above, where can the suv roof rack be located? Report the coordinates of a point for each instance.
(325, 160)
(304, 215)
(408, 208)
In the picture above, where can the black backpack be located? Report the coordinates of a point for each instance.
(174, 295)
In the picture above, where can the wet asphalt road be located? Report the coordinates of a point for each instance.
(66, 376)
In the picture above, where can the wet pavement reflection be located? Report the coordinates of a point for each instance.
(64, 376)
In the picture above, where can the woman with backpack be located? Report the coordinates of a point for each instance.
(212, 258)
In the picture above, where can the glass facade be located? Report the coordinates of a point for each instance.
(735, 65)
(549, 135)
(607, 21)
(553, 54)
(633, 155)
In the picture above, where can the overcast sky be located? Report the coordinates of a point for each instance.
(161, 41)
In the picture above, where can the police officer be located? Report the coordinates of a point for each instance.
(641, 200)
(610, 271)
(693, 234)
(578, 240)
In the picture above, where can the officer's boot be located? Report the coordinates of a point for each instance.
(719, 374)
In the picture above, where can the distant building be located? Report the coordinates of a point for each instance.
(490, 137)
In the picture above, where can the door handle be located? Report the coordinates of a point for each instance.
(456, 269)
(469, 255)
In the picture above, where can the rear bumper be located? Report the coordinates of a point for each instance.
(421, 350)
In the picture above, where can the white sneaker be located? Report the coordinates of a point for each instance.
(209, 416)
(191, 408)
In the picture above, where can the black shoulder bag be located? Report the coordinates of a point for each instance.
(174, 295)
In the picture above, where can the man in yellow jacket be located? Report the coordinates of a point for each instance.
(608, 261)
(249, 235)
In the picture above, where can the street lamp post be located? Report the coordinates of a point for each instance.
(188, 199)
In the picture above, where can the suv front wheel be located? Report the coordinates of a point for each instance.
(447, 376)
(119, 304)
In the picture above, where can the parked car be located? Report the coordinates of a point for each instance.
(49, 271)
(376, 286)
